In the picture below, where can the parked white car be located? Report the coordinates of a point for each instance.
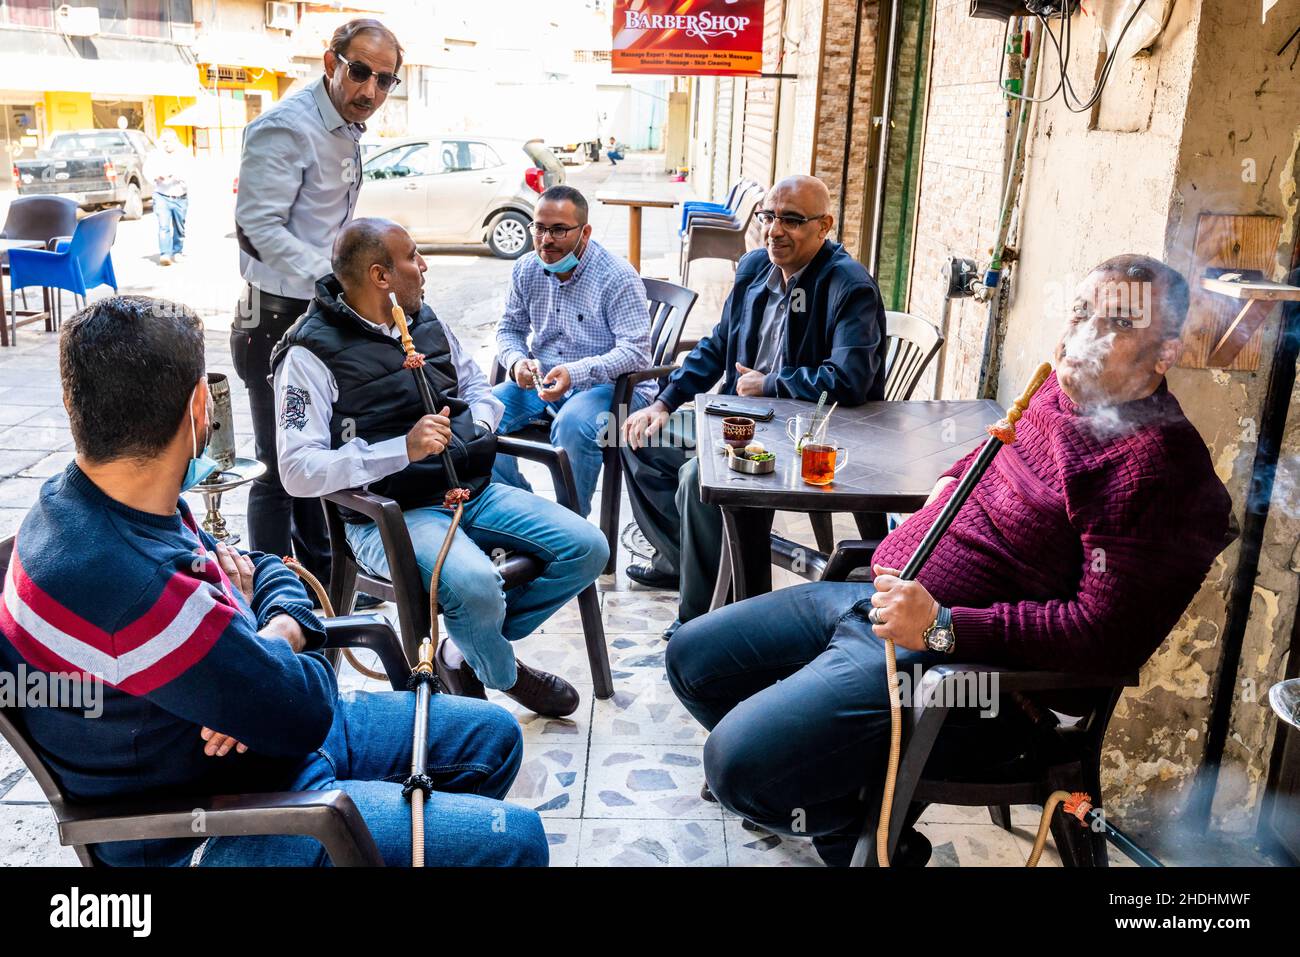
(458, 188)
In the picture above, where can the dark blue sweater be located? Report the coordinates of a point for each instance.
(140, 601)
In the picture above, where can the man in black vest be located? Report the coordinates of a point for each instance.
(350, 415)
(803, 318)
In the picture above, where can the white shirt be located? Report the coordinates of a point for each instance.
(309, 468)
(299, 178)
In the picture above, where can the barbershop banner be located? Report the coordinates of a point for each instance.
(688, 37)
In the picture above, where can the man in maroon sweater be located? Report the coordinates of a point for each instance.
(1078, 551)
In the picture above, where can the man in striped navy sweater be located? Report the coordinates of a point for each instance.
(209, 657)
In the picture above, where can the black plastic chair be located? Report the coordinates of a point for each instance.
(911, 343)
(670, 305)
(328, 816)
(407, 587)
(1055, 754)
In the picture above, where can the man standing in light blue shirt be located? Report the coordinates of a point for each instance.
(589, 322)
(298, 183)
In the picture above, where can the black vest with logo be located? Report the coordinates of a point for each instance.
(379, 398)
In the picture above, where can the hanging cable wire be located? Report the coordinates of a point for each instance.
(1064, 48)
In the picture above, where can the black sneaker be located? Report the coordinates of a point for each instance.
(366, 602)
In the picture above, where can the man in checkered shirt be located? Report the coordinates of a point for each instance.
(575, 321)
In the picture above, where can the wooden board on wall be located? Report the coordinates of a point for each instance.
(1234, 243)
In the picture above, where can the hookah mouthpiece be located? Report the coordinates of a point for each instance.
(413, 360)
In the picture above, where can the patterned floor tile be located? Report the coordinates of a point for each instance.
(652, 843)
(560, 653)
(762, 849)
(650, 781)
(972, 845)
(540, 732)
(639, 610)
(551, 778)
(562, 837)
(637, 654)
(644, 710)
(29, 838)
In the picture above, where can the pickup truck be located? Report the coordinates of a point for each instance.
(96, 168)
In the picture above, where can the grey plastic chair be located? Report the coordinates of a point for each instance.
(722, 237)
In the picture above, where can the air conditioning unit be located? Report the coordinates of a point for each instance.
(282, 16)
(77, 21)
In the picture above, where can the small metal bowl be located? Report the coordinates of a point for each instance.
(750, 467)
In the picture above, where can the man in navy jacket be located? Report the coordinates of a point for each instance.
(803, 318)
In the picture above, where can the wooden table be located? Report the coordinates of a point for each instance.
(634, 206)
(5, 246)
(896, 452)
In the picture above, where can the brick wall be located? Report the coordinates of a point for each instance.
(961, 180)
(803, 57)
(832, 113)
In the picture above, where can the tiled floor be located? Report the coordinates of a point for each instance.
(616, 784)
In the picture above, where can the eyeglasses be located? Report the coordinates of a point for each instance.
(361, 72)
(789, 220)
(556, 232)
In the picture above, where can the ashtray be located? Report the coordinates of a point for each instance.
(744, 461)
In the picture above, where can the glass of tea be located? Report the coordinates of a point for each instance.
(820, 460)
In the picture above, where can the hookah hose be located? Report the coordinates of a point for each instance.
(327, 607)
(1001, 433)
(423, 678)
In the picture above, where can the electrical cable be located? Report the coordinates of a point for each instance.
(1064, 49)
(1106, 68)
(1002, 71)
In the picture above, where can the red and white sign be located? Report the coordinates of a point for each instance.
(688, 37)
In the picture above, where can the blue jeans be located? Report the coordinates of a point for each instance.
(475, 749)
(580, 424)
(170, 212)
(481, 618)
(614, 156)
(793, 693)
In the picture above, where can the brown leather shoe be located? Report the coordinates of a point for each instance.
(548, 695)
(455, 673)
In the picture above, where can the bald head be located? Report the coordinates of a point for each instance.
(361, 244)
(797, 210)
(374, 258)
(805, 190)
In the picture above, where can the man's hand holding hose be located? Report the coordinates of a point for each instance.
(430, 435)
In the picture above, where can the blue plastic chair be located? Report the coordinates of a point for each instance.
(77, 265)
(707, 207)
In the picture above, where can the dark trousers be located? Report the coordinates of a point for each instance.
(277, 522)
(793, 694)
(663, 485)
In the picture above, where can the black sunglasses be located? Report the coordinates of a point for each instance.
(360, 73)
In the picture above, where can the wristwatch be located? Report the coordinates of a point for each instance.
(939, 636)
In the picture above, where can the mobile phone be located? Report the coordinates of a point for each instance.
(759, 413)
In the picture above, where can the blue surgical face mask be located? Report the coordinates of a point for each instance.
(567, 264)
(200, 466)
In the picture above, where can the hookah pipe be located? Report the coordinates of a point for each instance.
(1001, 433)
(423, 679)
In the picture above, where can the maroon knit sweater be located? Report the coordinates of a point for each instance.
(1080, 547)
